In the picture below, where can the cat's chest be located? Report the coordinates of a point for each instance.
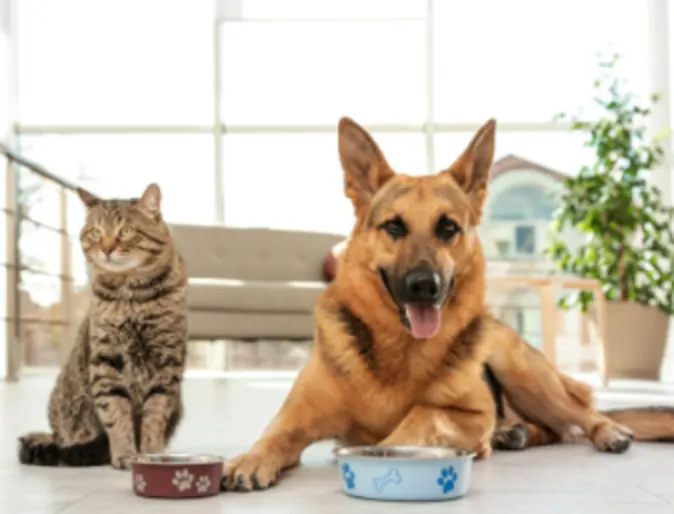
(139, 367)
(132, 334)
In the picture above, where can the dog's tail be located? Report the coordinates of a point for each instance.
(647, 423)
(41, 449)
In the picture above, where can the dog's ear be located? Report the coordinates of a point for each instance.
(365, 168)
(471, 169)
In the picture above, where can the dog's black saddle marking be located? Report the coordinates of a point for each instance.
(496, 391)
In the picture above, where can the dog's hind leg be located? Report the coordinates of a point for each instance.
(515, 433)
(543, 396)
(522, 435)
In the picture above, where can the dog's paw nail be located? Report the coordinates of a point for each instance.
(620, 445)
(257, 486)
(240, 481)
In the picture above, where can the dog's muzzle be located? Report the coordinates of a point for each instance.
(420, 295)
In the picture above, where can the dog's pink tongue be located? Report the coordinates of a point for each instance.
(424, 321)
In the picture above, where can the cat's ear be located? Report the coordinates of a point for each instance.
(88, 198)
(150, 202)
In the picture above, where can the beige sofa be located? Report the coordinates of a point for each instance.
(252, 283)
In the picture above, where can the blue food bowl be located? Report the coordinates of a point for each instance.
(405, 473)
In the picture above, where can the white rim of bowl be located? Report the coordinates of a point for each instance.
(404, 453)
(181, 459)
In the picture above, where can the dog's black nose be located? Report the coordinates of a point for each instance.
(421, 285)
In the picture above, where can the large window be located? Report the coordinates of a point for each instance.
(232, 106)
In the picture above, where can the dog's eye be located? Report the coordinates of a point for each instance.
(446, 229)
(395, 228)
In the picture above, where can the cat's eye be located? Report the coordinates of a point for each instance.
(446, 229)
(125, 232)
(394, 227)
(95, 234)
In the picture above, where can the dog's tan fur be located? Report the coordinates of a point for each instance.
(369, 381)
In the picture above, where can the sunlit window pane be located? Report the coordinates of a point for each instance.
(560, 151)
(295, 73)
(40, 249)
(39, 198)
(41, 292)
(123, 165)
(325, 9)
(123, 62)
(295, 182)
(526, 60)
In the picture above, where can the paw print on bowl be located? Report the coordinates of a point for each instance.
(140, 483)
(447, 479)
(349, 476)
(183, 480)
(202, 484)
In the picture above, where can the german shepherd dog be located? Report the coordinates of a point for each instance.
(405, 351)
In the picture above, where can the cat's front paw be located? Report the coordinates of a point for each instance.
(150, 446)
(121, 461)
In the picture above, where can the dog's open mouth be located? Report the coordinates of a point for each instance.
(424, 320)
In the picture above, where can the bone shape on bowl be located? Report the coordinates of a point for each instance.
(392, 477)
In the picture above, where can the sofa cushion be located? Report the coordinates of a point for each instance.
(252, 253)
(209, 325)
(241, 296)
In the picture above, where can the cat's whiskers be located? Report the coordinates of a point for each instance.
(116, 263)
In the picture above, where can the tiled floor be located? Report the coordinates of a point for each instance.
(225, 416)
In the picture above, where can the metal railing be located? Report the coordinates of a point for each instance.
(17, 219)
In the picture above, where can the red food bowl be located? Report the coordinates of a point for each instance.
(176, 475)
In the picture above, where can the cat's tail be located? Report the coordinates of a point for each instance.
(40, 449)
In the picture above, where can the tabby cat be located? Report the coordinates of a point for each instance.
(119, 393)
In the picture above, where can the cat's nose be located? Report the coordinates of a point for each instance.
(107, 247)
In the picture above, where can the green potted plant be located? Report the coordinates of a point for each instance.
(622, 230)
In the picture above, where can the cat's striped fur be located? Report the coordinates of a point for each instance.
(119, 393)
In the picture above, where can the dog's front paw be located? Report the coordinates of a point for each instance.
(253, 471)
(484, 452)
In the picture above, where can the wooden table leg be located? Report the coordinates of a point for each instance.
(549, 322)
(600, 305)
